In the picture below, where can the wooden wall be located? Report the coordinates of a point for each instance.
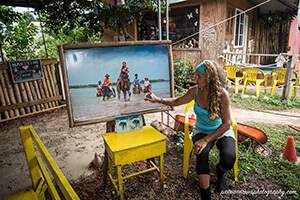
(194, 55)
(212, 41)
(252, 16)
(30, 97)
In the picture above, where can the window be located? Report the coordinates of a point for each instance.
(239, 29)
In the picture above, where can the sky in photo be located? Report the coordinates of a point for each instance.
(87, 66)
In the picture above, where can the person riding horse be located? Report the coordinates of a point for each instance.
(136, 85)
(123, 83)
(106, 90)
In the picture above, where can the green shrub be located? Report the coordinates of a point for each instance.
(183, 69)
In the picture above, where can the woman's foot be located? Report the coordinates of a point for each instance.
(221, 180)
(205, 194)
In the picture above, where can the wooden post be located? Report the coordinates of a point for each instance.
(48, 84)
(199, 22)
(159, 20)
(5, 91)
(167, 18)
(42, 91)
(10, 92)
(18, 97)
(36, 87)
(24, 96)
(29, 95)
(51, 80)
(110, 127)
(54, 77)
(2, 101)
(290, 68)
(45, 87)
(34, 95)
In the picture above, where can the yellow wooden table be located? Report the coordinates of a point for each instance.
(130, 147)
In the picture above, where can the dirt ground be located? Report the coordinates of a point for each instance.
(74, 148)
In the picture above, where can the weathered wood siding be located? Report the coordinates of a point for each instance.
(212, 40)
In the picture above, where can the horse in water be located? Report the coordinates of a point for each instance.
(108, 93)
(124, 86)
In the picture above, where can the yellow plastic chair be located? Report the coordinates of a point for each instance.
(255, 76)
(235, 74)
(278, 79)
(188, 143)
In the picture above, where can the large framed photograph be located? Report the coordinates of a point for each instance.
(108, 80)
(25, 70)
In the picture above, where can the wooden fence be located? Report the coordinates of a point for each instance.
(192, 54)
(30, 97)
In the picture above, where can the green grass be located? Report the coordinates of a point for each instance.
(263, 102)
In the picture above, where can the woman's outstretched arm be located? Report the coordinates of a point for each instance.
(176, 101)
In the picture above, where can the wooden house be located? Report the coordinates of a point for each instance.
(257, 36)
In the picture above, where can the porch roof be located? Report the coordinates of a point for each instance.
(288, 6)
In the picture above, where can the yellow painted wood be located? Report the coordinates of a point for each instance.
(161, 169)
(51, 187)
(125, 148)
(236, 163)
(122, 141)
(59, 177)
(278, 79)
(231, 74)
(27, 194)
(120, 182)
(188, 143)
(30, 154)
(39, 174)
(252, 76)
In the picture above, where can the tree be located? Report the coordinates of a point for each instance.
(94, 16)
(17, 34)
(7, 18)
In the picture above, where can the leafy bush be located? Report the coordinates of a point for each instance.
(183, 69)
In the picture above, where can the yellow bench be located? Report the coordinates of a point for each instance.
(188, 143)
(235, 74)
(130, 147)
(41, 180)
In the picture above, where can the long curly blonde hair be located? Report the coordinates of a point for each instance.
(214, 87)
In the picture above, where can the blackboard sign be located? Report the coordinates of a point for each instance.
(25, 70)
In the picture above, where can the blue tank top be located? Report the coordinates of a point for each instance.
(203, 123)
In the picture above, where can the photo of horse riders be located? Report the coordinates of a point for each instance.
(103, 79)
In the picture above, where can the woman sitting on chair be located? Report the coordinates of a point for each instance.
(212, 109)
